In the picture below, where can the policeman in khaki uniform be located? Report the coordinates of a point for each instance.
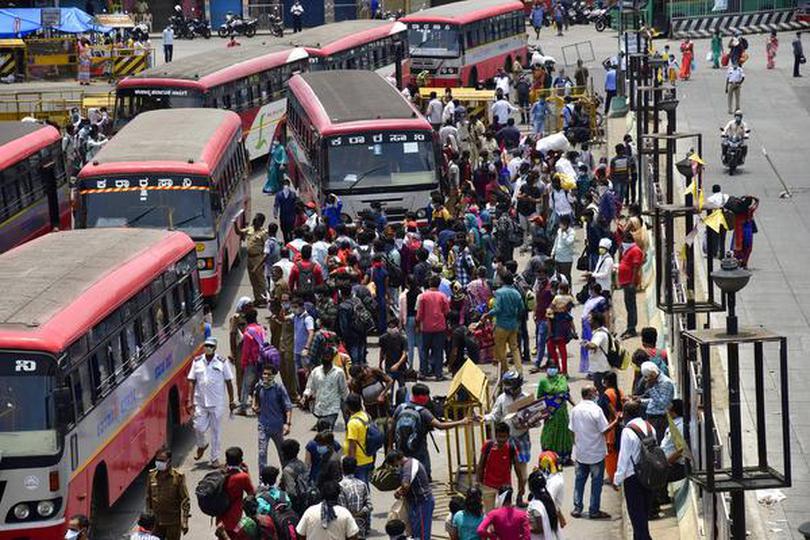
(255, 236)
(167, 497)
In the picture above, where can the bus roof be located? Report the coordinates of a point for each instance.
(62, 284)
(464, 12)
(19, 140)
(205, 70)
(339, 101)
(333, 38)
(191, 141)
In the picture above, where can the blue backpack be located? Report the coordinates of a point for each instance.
(374, 438)
(268, 355)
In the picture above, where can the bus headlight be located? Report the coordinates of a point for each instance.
(45, 508)
(22, 511)
(421, 213)
(201, 264)
(205, 263)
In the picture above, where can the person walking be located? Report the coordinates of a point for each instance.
(355, 496)
(297, 12)
(545, 518)
(589, 425)
(273, 410)
(508, 311)
(167, 497)
(555, 435)
(168, 44)
(326, 387)
(771, 47)
(328, 520)
(537, 15)
(611, 400)
(688, 56)
(629, 277)
(209, 377)
(563, 250)
(798, 55)
(498, 458)
(581, 76)
(637, 497)
(734, 80)
(717, 49)
(253, 337)
(610, 86)
(416, 491)
(505, 521)
(284, 209)
(432, 308)
(434, 111)
(356, 436)
(276, 165)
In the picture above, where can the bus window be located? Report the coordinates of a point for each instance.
(226, 101)
(131, 345)
(69, 384)
(114, 356)
(99, 373)
(11, 193)
(82, 389)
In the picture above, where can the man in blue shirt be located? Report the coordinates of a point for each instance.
(610, 86)
(273, 409)
(508, 312)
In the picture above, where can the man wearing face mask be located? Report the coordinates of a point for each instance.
(209, 376)
(603, 269)
(629, 276)
(167, 497)
(518, 437)
(78, 528)
(327, 387)
(284, 209)
(273, 408)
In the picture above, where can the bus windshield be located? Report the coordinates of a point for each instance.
(432, 39)
(133, 101)
(27, 410)
(189, 211)
(381, 165)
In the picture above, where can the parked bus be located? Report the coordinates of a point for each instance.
(353, 134)
(34, 195)
(95, 345)
(248, 80)
(192, 177)
(462, 43)
(368, 44)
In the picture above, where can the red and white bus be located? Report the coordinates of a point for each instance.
(34, 194)
(97, 332)
(183, 169)
(462, 43)
(248, 80)
(353, 134)
(368, 44)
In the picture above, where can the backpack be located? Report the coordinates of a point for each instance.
(285, 519)
(364, 257)
(408, 428)
(212, 498)
(363, 320)
(614, 353)
(268, 355)
(513, 233)
(395, 278)
(306, 278)
(652, 467)
(374, 438)
(485, 457)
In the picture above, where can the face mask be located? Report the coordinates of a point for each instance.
(286, 190)
(285, 306)
(322, 449)
(161, 465)
(393, 331)
(208, 318)
(626, 245)
(71, 535)
(552, 372)
(602, 251)
(209, 351)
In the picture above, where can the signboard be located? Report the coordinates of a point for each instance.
(380, 138)
(112, 185)
(115, 20)
(160, 92)
(51, 17)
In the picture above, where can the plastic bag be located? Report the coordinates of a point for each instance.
(709, 56)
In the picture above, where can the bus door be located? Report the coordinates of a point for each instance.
(47, 172)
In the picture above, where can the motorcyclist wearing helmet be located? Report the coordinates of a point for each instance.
(512, 384)
(736, 128)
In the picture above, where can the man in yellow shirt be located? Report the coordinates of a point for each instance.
(356, 429)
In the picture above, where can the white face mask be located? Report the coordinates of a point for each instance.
(71, 535)
(161, 465)
(286, 190)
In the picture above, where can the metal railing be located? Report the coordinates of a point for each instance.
(697, 8)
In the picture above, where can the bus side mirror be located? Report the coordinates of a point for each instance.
(63, 402)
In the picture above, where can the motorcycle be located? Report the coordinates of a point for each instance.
(733, 151)
(236, 25)
(600, 19)
(276, 25)
(578, 13)
(182, 27)
(140, 32)
(200, 27)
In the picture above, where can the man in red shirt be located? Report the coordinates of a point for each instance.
(252, 339)
(305, 275)
(498, 457)
(432, 308)
(237, 485)
(629, 278)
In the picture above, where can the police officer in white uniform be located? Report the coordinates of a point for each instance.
(208, 378)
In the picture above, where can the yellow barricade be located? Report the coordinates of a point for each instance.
(129, 65)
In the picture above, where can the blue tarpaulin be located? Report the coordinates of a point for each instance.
(22, 21)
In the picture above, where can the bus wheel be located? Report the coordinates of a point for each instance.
(99, 504)
(473, 80)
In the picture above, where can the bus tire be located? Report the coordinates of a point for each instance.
(99, 502)
(172, 416)
(473, 79)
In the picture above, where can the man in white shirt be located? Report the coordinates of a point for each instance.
(434, 111)
(598, 346)
(449, 112)
(449, 133)
(603, 270)
(297, 11)
(327, 520)
(501, 111)
(637, 497)
(285, 264)
(503, 83)
(734, 80)
(210, 375)
(168, 44)
(589, 425)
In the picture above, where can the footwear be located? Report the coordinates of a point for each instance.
(629, 334)
(599, 515)
(440, 378)
(215, 464)
(200, 451)
(576, 513)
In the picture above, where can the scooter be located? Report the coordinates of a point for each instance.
(182, 27)
(276, 26)
(733, 151)
(600, 19)
(236, 25)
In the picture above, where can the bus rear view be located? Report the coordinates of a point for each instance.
(353, 134)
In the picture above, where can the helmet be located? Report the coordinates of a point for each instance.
(512, 379)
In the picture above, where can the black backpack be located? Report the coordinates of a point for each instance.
(395, 278)
(306, 278)
(212, 498)
(614, 352)
(284, 519)
(652, 468)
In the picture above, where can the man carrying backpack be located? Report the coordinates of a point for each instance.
(353, 321)
(358, 445)
(273, 409)
(637, 440)
(409, 425)
(253, 337)
(305, 275)
(498, 458)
